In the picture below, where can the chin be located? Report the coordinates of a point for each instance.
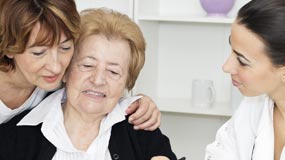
(91, 108)
(249, 94)
(51, 87)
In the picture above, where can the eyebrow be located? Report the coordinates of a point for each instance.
(87, 57)
(67, 39)
(93, 58)
(236, 52)
(240, 55)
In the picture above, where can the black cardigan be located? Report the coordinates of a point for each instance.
(28, 142)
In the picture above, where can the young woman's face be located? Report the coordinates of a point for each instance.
(251, 70)
(44, 66)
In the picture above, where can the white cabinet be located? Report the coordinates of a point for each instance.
(182, 44)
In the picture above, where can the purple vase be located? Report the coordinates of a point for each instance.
(217, 7)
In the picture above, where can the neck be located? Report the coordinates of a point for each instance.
(12, 86)
(281, 107)
(278, 96)
(81, 129)
(15, 78)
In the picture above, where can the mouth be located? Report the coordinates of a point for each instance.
(94, 94)
(50, 79)
(235, 83)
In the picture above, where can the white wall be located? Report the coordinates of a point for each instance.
(189, 134)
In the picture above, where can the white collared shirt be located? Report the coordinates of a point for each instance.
(248, 135)
(7, 113)
(49, 112)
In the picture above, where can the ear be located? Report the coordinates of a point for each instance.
(64, 78)
(9, 55)
(282, 74)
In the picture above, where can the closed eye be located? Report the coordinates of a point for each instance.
(66, 48)
(113, 72)
(38, 53)
(241, 62)
(86, 67)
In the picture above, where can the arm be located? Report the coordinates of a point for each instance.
(144, 114)
(236, 138)
(224, 146)
(155, 145)
(138, 144)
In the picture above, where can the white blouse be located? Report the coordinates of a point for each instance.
(49, 112)
(7, 113)
(248, 135)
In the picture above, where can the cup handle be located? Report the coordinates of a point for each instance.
(213, 94)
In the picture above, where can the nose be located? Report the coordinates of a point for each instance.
(98, 77)
(53, 62)
(230, 66)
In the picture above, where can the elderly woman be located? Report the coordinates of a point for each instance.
(87, 119)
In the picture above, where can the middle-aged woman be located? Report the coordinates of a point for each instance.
(87, 120)
(36, 46)
(257, 67)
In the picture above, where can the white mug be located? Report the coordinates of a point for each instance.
(203, 93)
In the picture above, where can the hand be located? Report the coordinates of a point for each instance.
(144, 114)
(159, 158)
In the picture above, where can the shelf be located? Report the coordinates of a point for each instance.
(184, 106)
(192, 19)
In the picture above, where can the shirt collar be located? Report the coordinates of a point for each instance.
(40, 113)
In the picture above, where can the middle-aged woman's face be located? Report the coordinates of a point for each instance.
(44, 66)
(98, 74)
(251, 70)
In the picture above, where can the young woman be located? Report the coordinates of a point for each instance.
(36, 45)
(257, 67)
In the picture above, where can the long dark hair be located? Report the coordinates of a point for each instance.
(266, 18)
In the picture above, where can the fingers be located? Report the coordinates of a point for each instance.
(133, 107)
(151, 124)
(147, 116)
(159, 158)
(142, 113)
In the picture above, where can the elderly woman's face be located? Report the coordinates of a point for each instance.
(98, 75)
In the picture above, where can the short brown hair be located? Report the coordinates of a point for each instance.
(112, 24)
(18, 18)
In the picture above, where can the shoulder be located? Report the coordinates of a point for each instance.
(18, 139)
(9, 131)
(139, 144)
(124, 128)
(13, 122)
(250, 111)
(235, 139)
